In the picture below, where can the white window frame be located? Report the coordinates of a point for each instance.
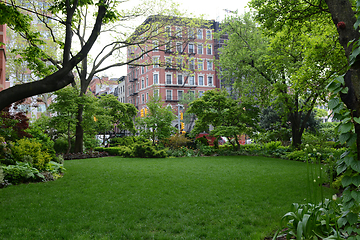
(191, 33)
(200, 63)
(192, 82)
(168, 94)
(166, 78)
(209, 37)
(193, 48)
(178, 95)
(157, 78)
(201, 93)
(156, 62)
(156, 45)
(199, 34)
(177, 79)
(179, 47)
(209, 65)
(142, 83)
(212, 80)
(200, 48)
(156, 92)
(143, 98)
(201, 76)
(167, 31)
(209, 49)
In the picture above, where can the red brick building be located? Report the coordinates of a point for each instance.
(3, 83)
(182, 63)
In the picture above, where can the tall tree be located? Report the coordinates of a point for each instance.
(284, 66)
(52, 78)
(276, 15)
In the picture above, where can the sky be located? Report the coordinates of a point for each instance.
(211, 9)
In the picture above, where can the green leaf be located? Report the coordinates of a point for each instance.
(344, 137)
(352, 218)
(334, 102)
(348, 160)
(345, 90)
(355, 164)
(342, 221)
(346, 127)
(346, 181)
(340, 79)
(342, 167)
(357, 120)
(333, 85)
(357, 23)
(356, 181)
(352, 139)
(356, 195)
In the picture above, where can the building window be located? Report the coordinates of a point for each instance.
(168, 79)
(201, 80)
(168, 47)
(147, 81)
(192, 64)
(191, 48)
(191, 33)
(179, 79)
(201, 93)
(200, 49)
(179, 47)
(147, 97)
(156, 78)
(178, 32)
(168, 61)
(209, 65)
(142, 69)
(209, 49)
(199, 34)
(210, 81)
(143, 98)
(142, 83)
(191, 80)
(156, 62)
(156, 46)
(179, 63)
(180, 94)
(200, 64)
(208, 34)
(167, 31)
(191, 94)
(168, 94)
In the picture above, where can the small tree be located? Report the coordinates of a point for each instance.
(156, 125)
(229, 117)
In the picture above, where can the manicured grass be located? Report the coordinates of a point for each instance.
(237, 197)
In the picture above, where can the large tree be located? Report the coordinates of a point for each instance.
(65, 12)
(228, 117)
(276, 15)
(284, 67)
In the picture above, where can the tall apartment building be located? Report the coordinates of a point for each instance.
(179, 59)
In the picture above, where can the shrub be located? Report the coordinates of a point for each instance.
(47, 145)
(61, 145)
(55, 168)
(22, 172)
(1, 175)
(147, 150)
(297, 155)
(177, 141)
(32, 148)
(272, 146)
(203, 140)
(122, 141)
(126, 151)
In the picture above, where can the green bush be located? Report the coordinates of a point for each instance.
(297, 155)
(147, 150)
(55, 168)
(47, 145)
(177, 141)
(32, 148)
(1, 175)
(272, 146)
(21, 172)
(126, 151)
(61, 145)
(203, 140)
(122, 141)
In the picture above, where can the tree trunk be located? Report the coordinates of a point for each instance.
(79, 133)
(295, 130)
(69, 139)
(342, 11)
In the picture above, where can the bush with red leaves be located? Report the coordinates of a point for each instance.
(13, 123)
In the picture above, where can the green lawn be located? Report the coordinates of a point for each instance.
(236, 197)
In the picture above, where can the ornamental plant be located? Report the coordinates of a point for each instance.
(33, 148)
